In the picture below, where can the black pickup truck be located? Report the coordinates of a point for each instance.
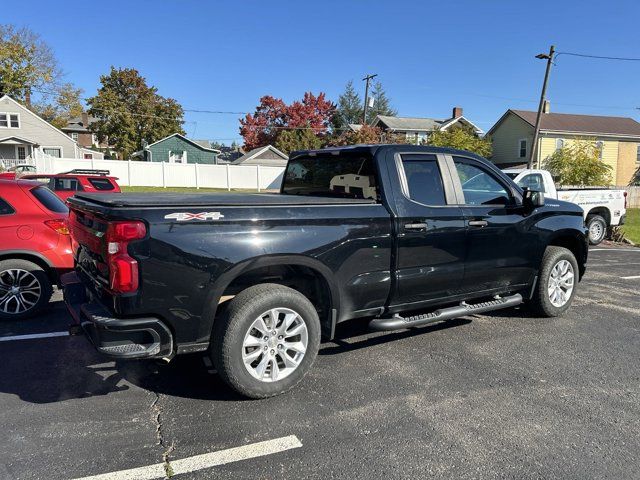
(398, 236)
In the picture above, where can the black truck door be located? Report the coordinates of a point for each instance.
(499, 246)
(430, 228)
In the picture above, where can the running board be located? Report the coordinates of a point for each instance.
(397, 322)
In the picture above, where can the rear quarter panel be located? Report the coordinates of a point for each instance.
(185, 266)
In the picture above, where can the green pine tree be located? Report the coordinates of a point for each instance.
(349, 109)
(382, 104)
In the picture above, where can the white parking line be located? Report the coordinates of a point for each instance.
(34, 335)
(632, 277)
(206, 460)
(614, 250)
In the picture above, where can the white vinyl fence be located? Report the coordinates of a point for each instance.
(633, 197)
(162, 174)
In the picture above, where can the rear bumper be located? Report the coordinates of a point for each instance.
(142, 337)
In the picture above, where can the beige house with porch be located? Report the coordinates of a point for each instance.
(618, 139)
(23, 135)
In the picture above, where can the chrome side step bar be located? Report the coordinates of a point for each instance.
(397, 321)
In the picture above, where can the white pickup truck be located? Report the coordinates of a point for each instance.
(603, 208)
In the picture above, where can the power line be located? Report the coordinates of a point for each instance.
(599, 57)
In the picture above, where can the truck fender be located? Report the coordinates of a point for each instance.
(223, 281)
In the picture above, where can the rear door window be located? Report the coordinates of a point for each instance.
(49, 200)
(5, 208)
(103, 184)
(423, 179)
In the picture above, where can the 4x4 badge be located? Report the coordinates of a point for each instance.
(186, 216)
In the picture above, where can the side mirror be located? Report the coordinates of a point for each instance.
(532, 199)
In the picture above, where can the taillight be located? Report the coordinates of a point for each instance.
(59, 225)
(123, 270)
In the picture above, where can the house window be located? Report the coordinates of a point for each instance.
(178, 157)
(88, 156)
(600, 148)
(94, 139)
(21, 152)
(9, 120)
(53, 151)
(638, 154)
(74, 136)
(559, 144)
(522, 148)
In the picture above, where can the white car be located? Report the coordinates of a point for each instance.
(603, 207)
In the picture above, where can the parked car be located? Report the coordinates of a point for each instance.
(603, 207)
(66, 184)
(387, 234)
(17, 171)
(35, 247)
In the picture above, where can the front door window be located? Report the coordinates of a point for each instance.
(22, 152)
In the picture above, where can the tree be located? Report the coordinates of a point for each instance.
(381, 105)
(273, 116)
(462, 138)
(26, 63)
(349, 109)
(65, 104)
(579, 163)
(288, 141)
(366, 135)
(128, 111)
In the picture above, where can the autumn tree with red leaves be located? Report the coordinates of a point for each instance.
(273, 116)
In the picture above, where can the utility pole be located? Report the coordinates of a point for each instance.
(366, 96)
(536, 131)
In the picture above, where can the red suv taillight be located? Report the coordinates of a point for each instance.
(59, 225)
(123, 270)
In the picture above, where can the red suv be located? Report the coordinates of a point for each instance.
(66, 184)
(35, 246)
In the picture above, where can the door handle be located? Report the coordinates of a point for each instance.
(416, 226)
(478, 223)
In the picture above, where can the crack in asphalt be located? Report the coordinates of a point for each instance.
(161, 441)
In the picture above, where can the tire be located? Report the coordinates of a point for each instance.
(259, 368)
(554, 261)
(597, 226)
(25, 289)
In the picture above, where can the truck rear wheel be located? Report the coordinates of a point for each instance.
(557, 281)
(597, 226)
(25, 289)
(266, 341)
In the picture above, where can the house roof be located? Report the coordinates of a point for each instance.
(355, 126)
(408, 123)
(582, 124)
(192, 142)
(16, 140)
(203, 143)
(257, 151)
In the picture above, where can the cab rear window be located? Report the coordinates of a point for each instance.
(49, 200)
(103, 184)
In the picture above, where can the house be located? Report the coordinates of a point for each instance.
(78, 129)
(268, 156)
(417, 130)
(24, 135)
(617, 137)
(177, 148)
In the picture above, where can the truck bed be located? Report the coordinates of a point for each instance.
(155, 200)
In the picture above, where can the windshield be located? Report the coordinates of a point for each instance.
(346, 175)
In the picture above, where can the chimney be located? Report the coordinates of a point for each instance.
(546, 108)
(457, 112)
(85, 119)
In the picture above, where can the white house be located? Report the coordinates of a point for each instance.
(23, 135)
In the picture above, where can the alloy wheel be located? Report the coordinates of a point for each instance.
(20, 291)
(561, 282)
(275, 344)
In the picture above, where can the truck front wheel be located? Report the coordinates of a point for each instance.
(266, 341)
(557, 282)
(597, 226)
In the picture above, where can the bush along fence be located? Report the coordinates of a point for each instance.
(162, 174)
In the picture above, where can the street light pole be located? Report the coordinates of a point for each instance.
(536, 131)
(366, 97)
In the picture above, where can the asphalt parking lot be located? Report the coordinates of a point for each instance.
(503, 395)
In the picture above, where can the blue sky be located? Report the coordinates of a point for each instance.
(430, 56)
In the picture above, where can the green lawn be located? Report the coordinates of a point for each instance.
(632, 227)
(182, 190)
